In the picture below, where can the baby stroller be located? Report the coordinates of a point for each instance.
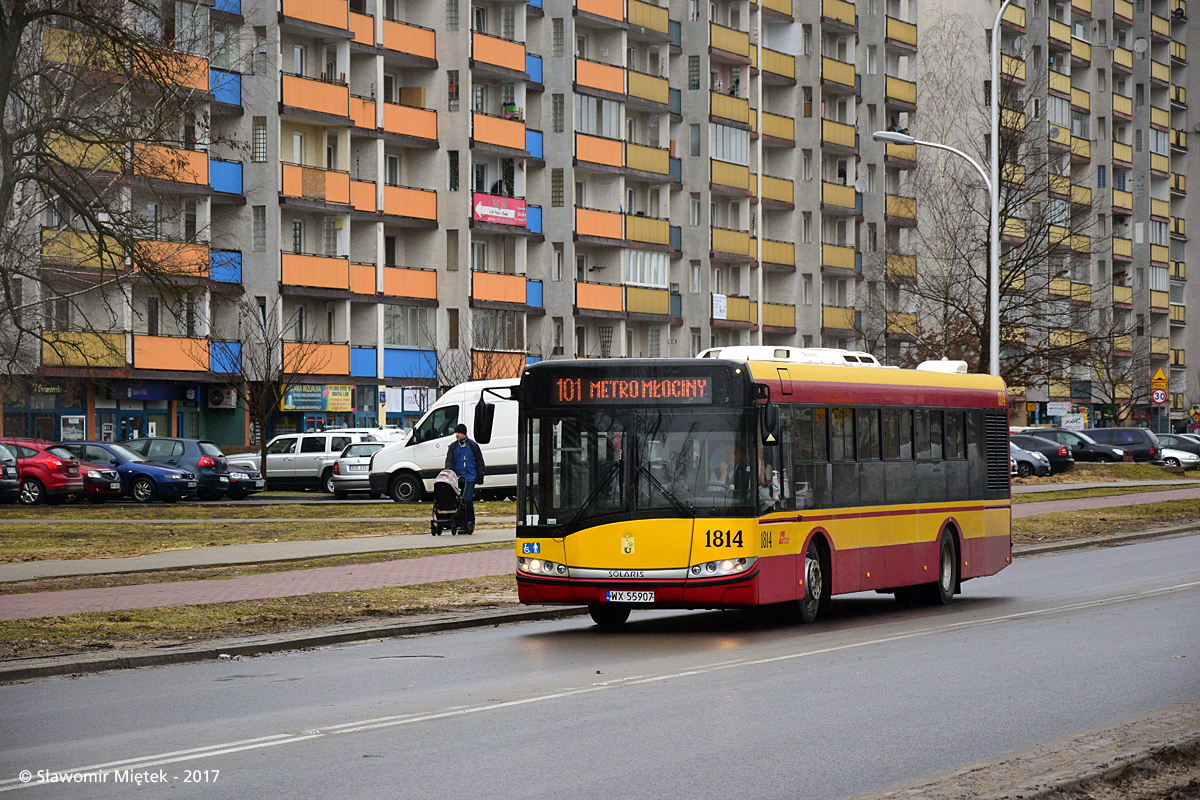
(448, 512)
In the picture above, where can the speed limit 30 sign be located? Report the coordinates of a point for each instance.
(1158, 396)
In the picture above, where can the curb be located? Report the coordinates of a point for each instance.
(53, 666)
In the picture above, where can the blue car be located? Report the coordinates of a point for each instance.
(142, 480)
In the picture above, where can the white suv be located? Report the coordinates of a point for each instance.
(302, 460)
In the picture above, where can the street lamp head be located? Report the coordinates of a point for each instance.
(893, 137)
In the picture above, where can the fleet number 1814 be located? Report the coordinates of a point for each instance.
(723, 538)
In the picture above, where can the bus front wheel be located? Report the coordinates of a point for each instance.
(608, 615)
(942, 592)
(816, 585)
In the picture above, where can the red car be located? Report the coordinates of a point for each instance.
(49, 474)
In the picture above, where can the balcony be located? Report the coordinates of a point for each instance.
(654, 160)
(318, 272)
(320, 97)
(779, 128)
(497, 131)
(419, 123)
(363, 278)
(602, 77)
(1122, 248)
(725, 107)
(1081, 51)
(778, 190)
(1178, 314)
(839, 14)
(648, 16)
(402, 201)
(1122, 343)
(1178, 358)
(838, 319)
(1160, 347)
(1122, 58)
(842, 137)
(1159, 255)
(496, 52)
(409, 282)
(362, 112)
(310, 358)
(1013, 67)
(1060, 82)
(727, 40)
(647, 230)
(836, 198)
(901, 209)
(901, 266)
(1159, 301)
(172, 164)
(500, 210)
(495, 287)
(330, 13)
(226, 87)
(411, 40)
(901, 324)
(1060, 32)
(778, 66)
(599, 150)
(779, 317)
(1178, 270)
(606, 298)
(595, 224)
(1014, 17)
(79, 349)
(363, 28)
(1122, 295)
(650, 88)
(82, 250)
(902, 93)
(180, 259)
(1179, 96)
(1122, 106)
(839, 77)
(1081, 149)
(901, 33)
(837, 257)
(732, 245)
(741, 311)
(176, 354)
(645, 300)
(729, 176)
(609, 9)
(779, 253)
(225, 177)
(363, 196)
(225, 266)
(1122, 152)
(313, 183)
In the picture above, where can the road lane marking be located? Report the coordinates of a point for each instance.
(391, 721)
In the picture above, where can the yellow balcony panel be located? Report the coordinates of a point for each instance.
(1122, 152)
(1160, 163)
(899, 90)
(648, 87)
(1013, 67)
(1059, 235)
(498, 52)
(731, 41)
(901, 322)
(598, 150)
(1122, 200)
(1081, 50)
(321, 272)
(778, 189)
(733, 242)
(1059, 136)
(656, 160)
(777, 252)
(901, 265)
(1081, 99)
(1009, 172)
(779, 315)
(1124, 391)
(1178, 183)
(1179, 51)
(1058, 388)
(311, 358)
(1122, 57)
(599, 297)
(416, 41)
(1082, 5)
(1081, 148)
(177, 354)
(741, 309)
(363, 196)
(493, 365)
(1060, 83)
(735, 176)
(1060, 31)
(1123, 294)
(1081, 292)
(841, 319)
(1122, 247)
(781, 7)
(903, 207)
(779, 127)
(497, 131)
(403, 201)
(903, 32)
(362, 278)
(839, 11)
(604, 77)
(1123, 342)
(172, 164)
(83, 250)
(777, 63)
(1160, 117)
(175, 258)
(1013, 279)
(362, 111)
(363, 28)
(1064, 338)
(1081, 195)
(1081, 243)
(1059, 287)
(647, 230)
(1159, 300)
(1160, 208)
(332, 13)
(836, 195)
(86, 155)
(498, 288)
(1013, 228)
(644, 300)
(313, 183)
(1014, 16)
(840, 134)
(1179, 226)
(1013, 333)
(79, 349)
(408, 282)
(1011, 119)
(1059, 184)
(842, 73)
(599, 224)
(1179, 270)
(612, 9)
(1160, 26)
(1160, 345)
(420, 123)
(736, 109)
(838, 257)
(1178, 314)
(1179, 95)
(314, 95)
(648, 15)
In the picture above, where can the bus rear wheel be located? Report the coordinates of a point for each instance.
(941, 593)
(608, 615)
(816, 585)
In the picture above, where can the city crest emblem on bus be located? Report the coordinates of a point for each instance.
(627, 543)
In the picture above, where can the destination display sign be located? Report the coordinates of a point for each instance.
(615, 391)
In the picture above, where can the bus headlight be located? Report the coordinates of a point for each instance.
(730, 566)
(537, 566)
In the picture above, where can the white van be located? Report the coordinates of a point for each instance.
(405, 469)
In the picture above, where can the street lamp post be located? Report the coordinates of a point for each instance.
(994, 191)
(893, 137)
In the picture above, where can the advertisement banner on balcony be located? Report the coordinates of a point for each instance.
(318, 397)
(498, 210)
(719, 308)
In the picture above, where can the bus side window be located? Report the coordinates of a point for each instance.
(891, 434)
(955, 444)
(921, 434)
(868, 434)
(935, 435)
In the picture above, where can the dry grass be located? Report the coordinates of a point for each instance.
(1068, 493)
(1095, 522)
(204, 511)
(1105, 473)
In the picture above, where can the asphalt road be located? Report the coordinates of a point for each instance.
(697, 704)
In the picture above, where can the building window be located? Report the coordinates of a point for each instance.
(152, 315)
(451, 15)
(695, 276)
(496, 329)
(556, 188)
(189, 221)
(694, 72)
(806, 228)
(259, 152)
(409, 326)
(807, 296)
(297, 236)
(58, 314)
(556, 269)
(695, 133)
(558, 112)
(695, 211)
(331, 236)
(806, 165)
(452, 325)
(808, 101)
(452, 89)
(557, 24)
(508, 22)
(696, 341)
(454, 170)
(1101, 176)
(260, 229)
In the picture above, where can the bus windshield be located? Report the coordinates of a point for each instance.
(598, 464)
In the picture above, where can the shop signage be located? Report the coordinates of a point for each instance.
(498, 210)
(1058, 409)
(47, 390)
(318, 397)
(150, 391)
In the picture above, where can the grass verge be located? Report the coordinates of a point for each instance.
(1065, 525)
(1074, 494)
(200, 511)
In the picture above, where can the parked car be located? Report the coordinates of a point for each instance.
(101, 482)
(137, 477)
(1059, 455)
(1193, 436)
(352, 470)
(194, 455)
(243, 482)
(1083, 447)
(302, 460)
(1012, 467)
(45, 477)
(1179, 458)
(1141, 442)
(1174, 441)
(10, 476)
(1028, 463)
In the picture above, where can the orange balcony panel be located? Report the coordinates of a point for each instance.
(604, 77)
(322, 272)
(405, 202)
(171, 164)
(334, 13)
(500, 132)
(176, 258)
(603, 224)
(405, 282)
(362, 111)
(599, 297)
(494, 365)
(421, 123)
(190, 72)
(498, 288)
(362, 196)
(316, 359)
(170, 353)
(410, 39)
(78, 349)
(613, 9)
(362, 278)
(610, 152)
(363, 28)
(312, 183)
(498, 52)
(319, 96)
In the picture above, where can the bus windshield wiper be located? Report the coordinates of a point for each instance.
(601, 485)
(675, 502)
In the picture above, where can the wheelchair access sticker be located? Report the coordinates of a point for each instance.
(531, 548)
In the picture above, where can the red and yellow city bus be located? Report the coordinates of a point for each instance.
(763, 476)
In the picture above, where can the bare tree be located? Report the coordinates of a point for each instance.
(103, 106)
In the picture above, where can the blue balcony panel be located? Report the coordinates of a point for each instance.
(226, 87)
(225, 176)
(230, 6)
(400, 363)
(225, 357)
(362, 362)
(533, 294)
(533, 218)
(533, 143)
(532, 360)
(676, 168)
(676, 306)
(225, 266)
(535, 3)
(676, 98)
(676, 238)
(533, 66)
(676, 31)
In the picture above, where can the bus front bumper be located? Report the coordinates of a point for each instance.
(715, 592)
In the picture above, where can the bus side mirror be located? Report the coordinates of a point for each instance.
(769, 424)
(485, 415)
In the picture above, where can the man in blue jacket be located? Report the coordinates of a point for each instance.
(466, 459)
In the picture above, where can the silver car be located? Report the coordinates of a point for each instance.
(352, 469)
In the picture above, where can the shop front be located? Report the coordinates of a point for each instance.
(51, 409)
(406, 404)
(316, 407)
